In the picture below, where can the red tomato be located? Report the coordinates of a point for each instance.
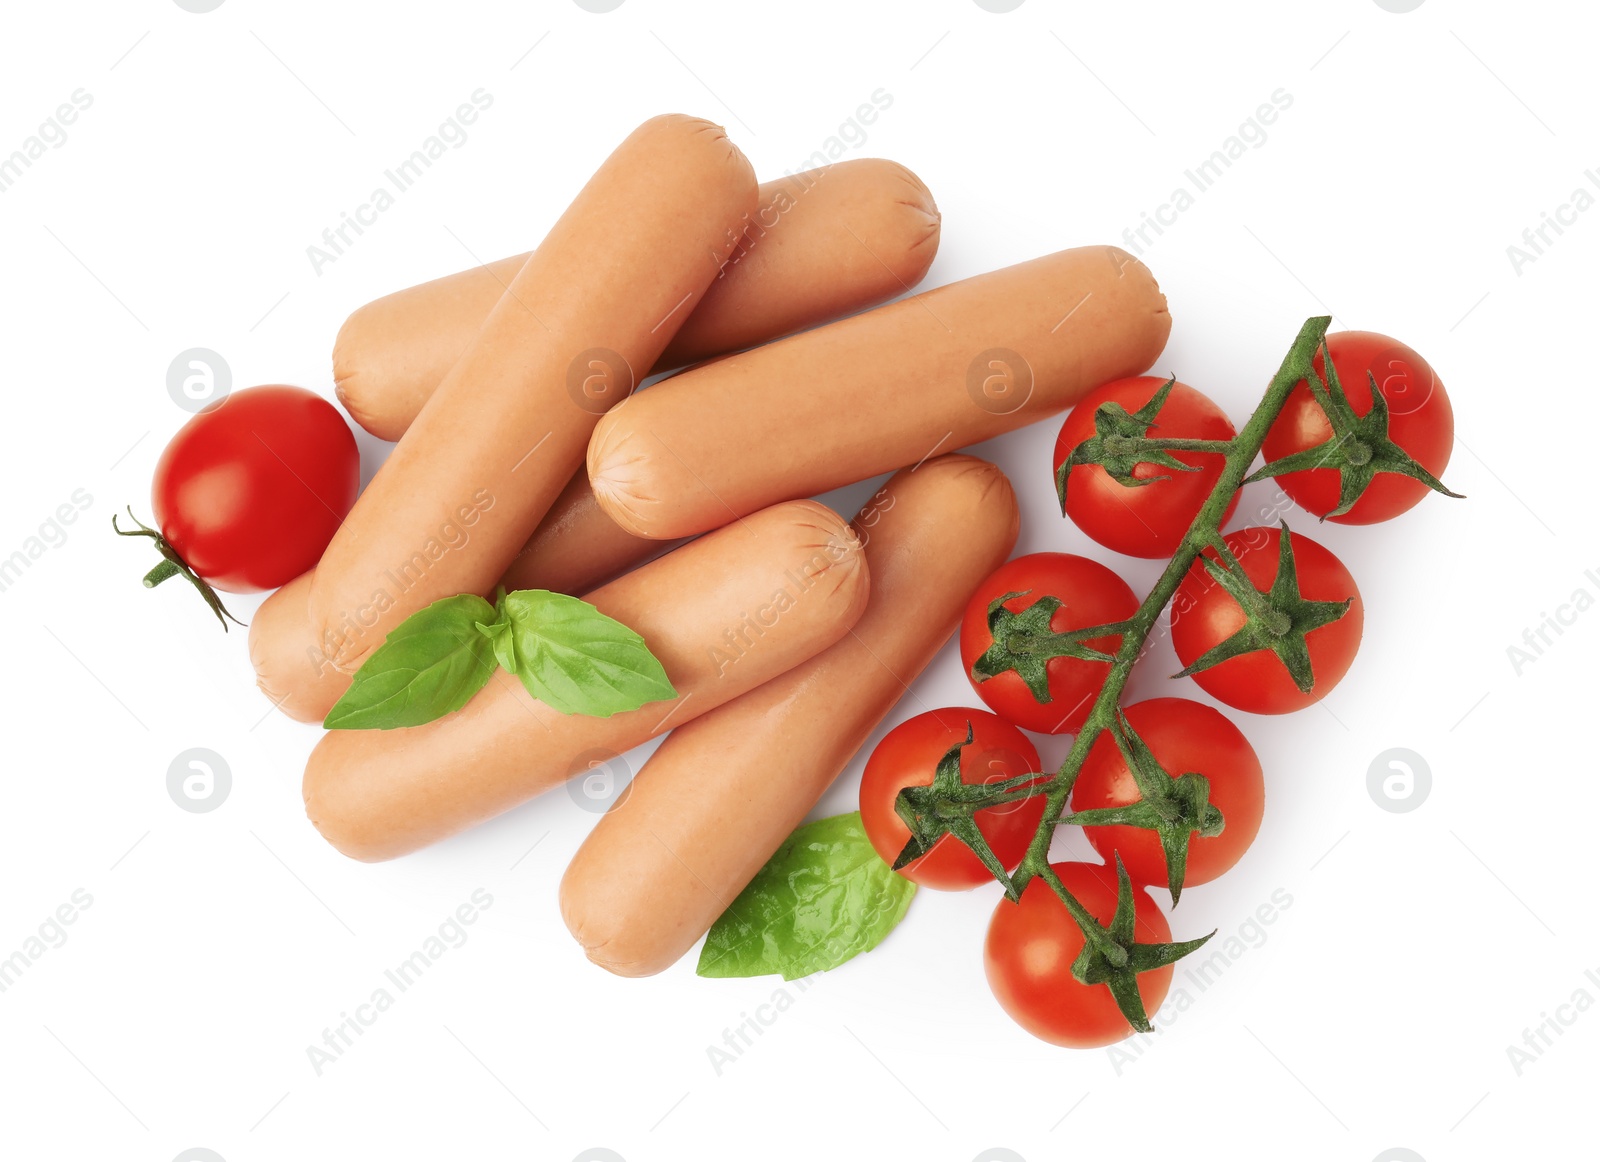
(908, 756)
(250, 492)
(1421, 421)
(1144, 520)
(1090, 594)
(1204, 614)
(1030, 948)
(1183, 736)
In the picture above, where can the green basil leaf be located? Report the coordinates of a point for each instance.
(824, 897)
(430, 664)
(503, 642)
(576, 660)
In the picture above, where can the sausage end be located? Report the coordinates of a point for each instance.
(341, 828)
(363, 396)
(700, 131)
(620, 474)
(920, 221)
(289, 670)
(605, 933)
(1143, 282)
(984, 485)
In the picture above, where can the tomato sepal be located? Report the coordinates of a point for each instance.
(172, 565)
(1277, 619)
(1111, 954)
(1175, 807)
(1121, 443)
(1360, 448)
(947, 806)
(1024, 642)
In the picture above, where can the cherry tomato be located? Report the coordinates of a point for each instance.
(1183, 736)
(908, 757)
(1030, 948)
(250, 491)
(1090, 594)
(1421, 422)
(1204, 614)
(1144, 520)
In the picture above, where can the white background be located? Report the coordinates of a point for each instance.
(1374, 1013)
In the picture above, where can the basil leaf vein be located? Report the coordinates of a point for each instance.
(430, 665)
(824, 897)
(577, 660)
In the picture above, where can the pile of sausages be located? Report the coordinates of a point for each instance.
(524, 459)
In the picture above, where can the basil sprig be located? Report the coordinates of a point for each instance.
(565, 652)
(822, 898)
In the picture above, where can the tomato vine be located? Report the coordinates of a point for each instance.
(1277, 619)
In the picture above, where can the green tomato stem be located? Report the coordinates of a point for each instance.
(163, 570)
(1220, 447)
(172, 565)
(1206, 530)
